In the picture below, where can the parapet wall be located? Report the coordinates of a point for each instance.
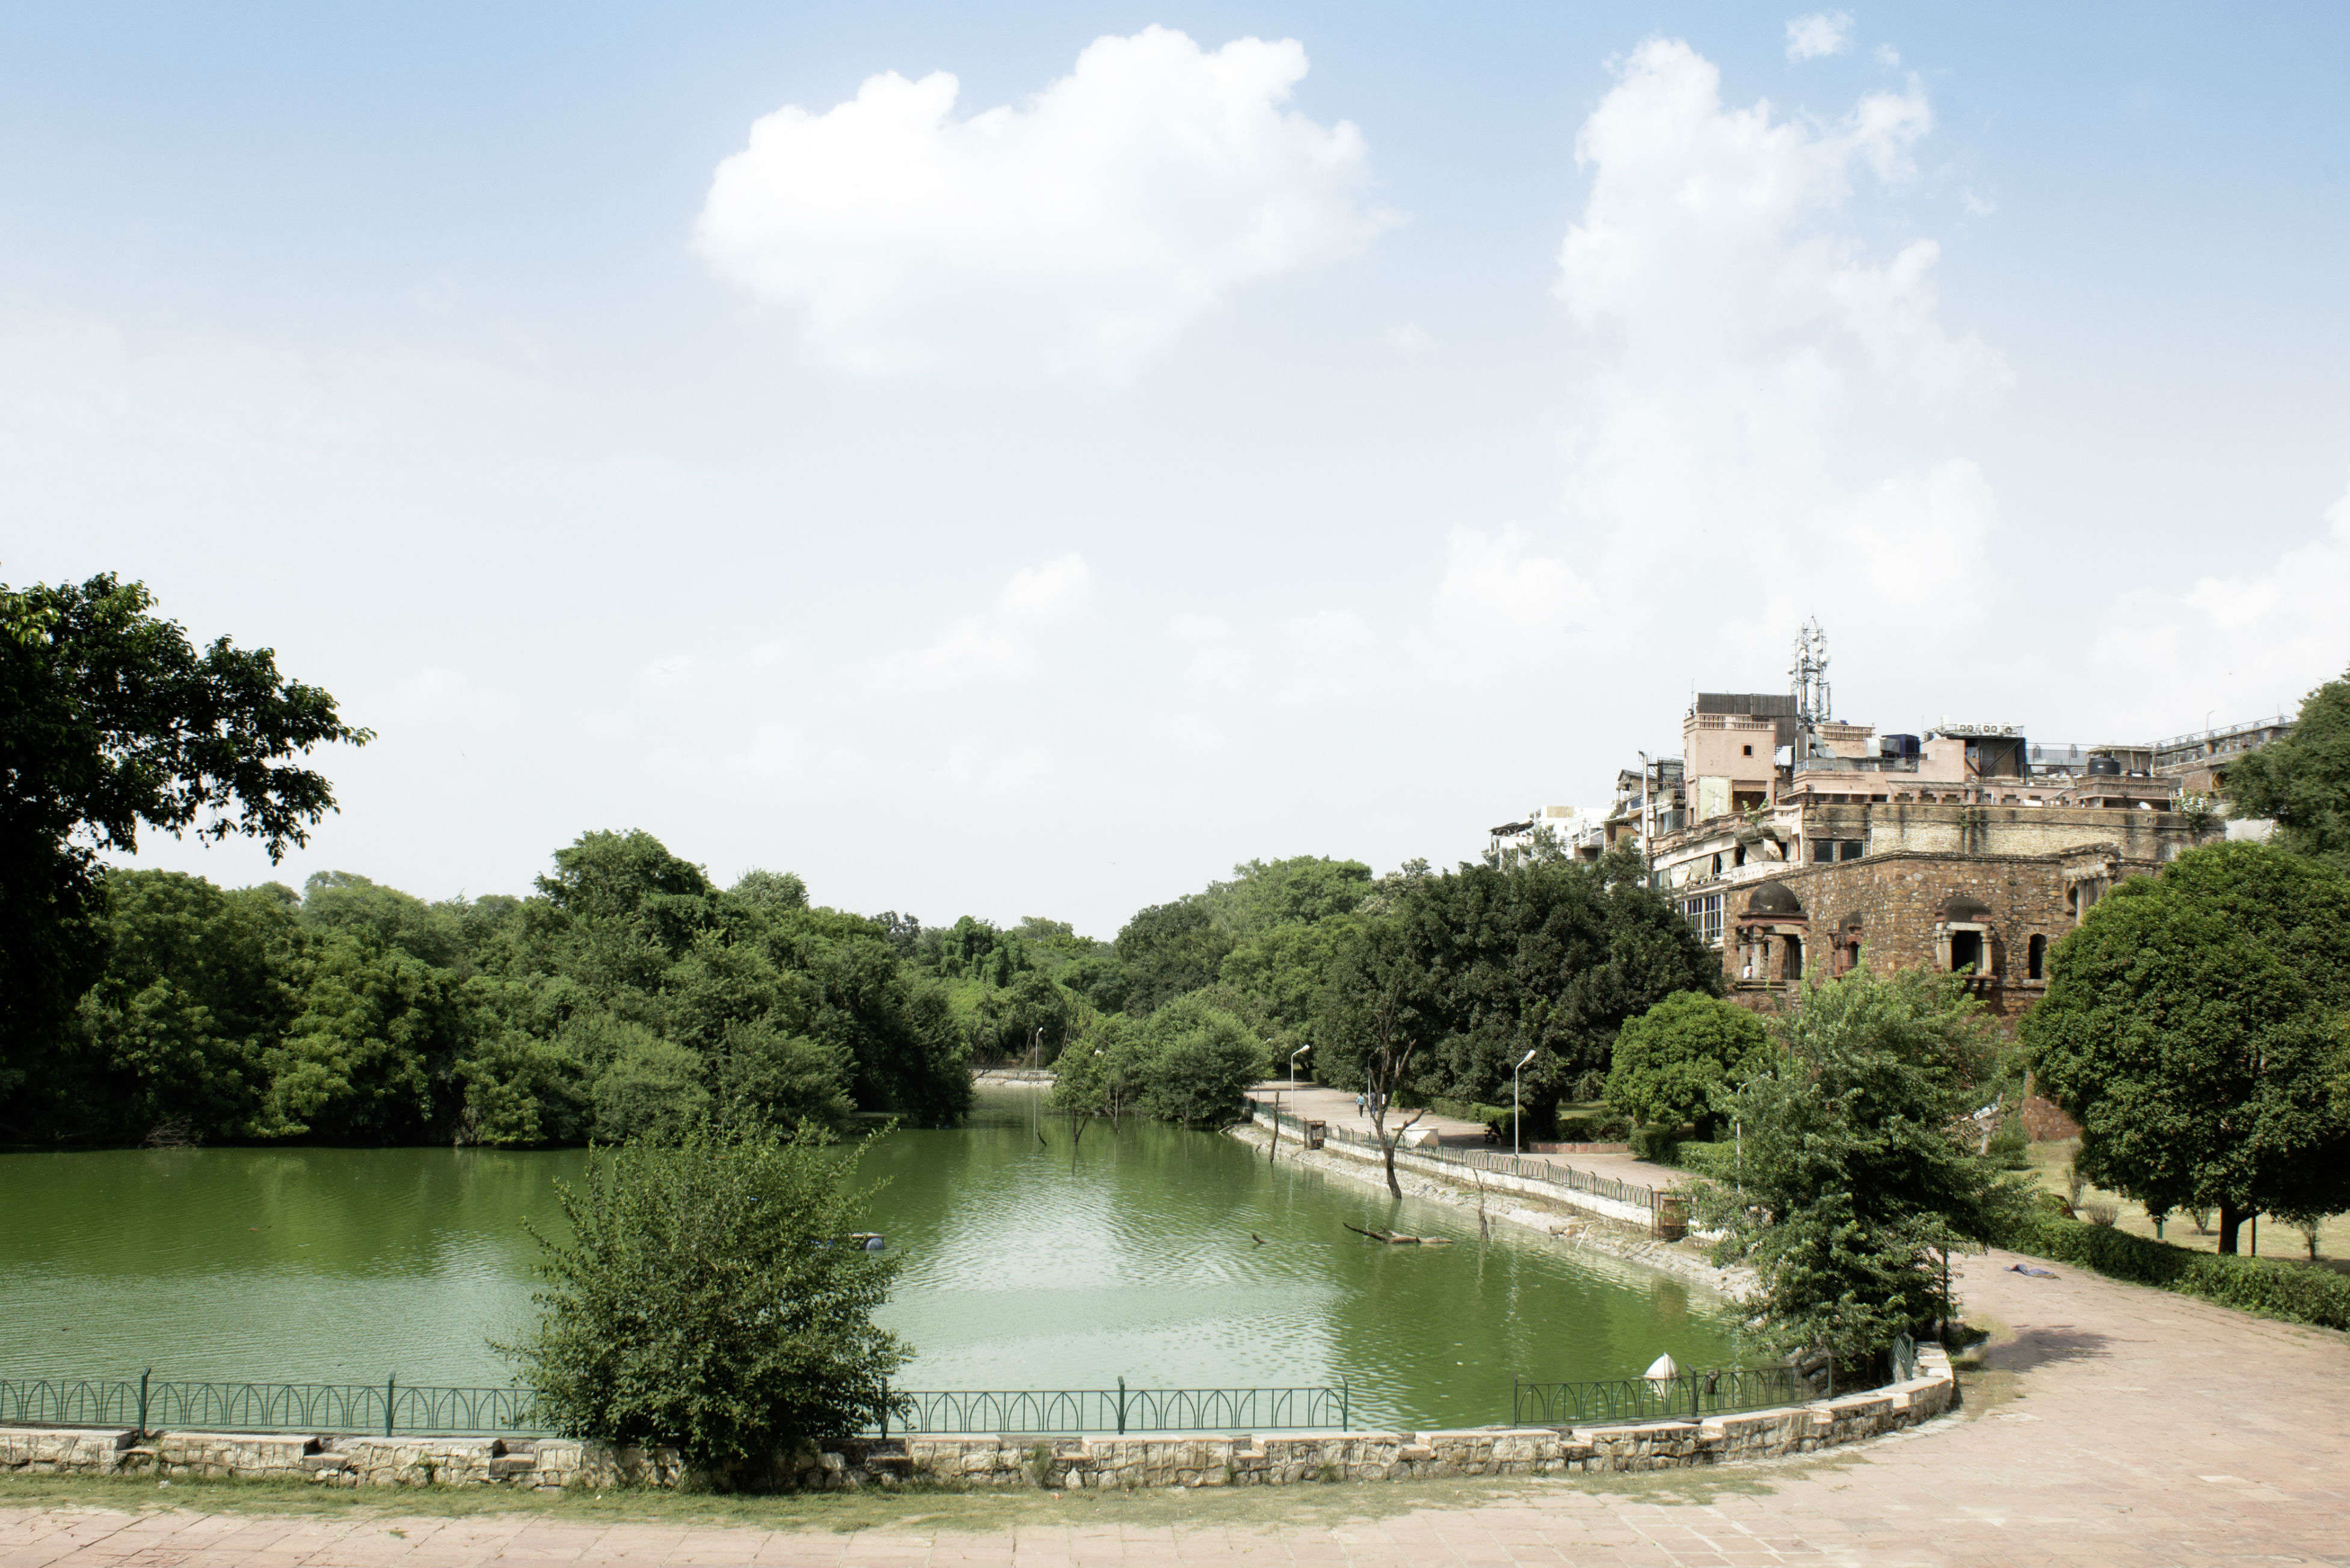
(1104, 1463)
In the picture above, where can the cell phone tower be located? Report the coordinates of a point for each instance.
(1810, 674)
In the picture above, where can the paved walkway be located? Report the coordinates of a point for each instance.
(1337, 1107)
(2117, 1426)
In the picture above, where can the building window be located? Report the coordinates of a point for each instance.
(1966, 952)
(1850, 850)
(1704, 915)
(1750, 751)
(2035, 958)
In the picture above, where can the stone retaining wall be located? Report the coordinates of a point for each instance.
(1104, 1463)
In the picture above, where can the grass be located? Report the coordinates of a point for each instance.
(2277, 1239)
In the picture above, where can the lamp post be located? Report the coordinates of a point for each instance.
(1513, 1099)
(1294, 1056)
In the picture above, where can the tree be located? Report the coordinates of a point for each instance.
(2193, 1024)
(710, 1297)
(1168, 949)
(1852, 1181)
(1200, 1062)
(111, 720)
(2302, 781)
(1375, 1021)
(170, 1041)
(1674, 1059)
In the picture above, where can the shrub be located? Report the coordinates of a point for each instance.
(1671, 1062)
(708, 1299)
(2289, 1291)
(1593, 1129)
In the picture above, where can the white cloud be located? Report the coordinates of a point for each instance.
(1000, 644)
(1821, 34)
(2264, 634)
(1758, 382)
(1410, 337)
(1490, 576)
(1058, 587)
(1080, 230)
(1888, 57)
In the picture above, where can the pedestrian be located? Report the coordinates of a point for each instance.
(1362, 1104)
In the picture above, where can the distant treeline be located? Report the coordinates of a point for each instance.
(629, 993)
(625, 996)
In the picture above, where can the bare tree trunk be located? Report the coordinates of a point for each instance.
(2230, 1219)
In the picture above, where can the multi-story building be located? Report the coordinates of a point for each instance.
(2199, 763)
(1792, 840)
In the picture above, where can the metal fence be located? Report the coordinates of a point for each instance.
(1073, 1411)
(1565, 1177)
(151, 1404)
(1688, 1396)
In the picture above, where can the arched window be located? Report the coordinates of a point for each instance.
(2035, 958)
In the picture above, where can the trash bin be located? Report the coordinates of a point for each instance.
(1314, 1133)
(1672, 1216)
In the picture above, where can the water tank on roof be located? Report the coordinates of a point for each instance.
(2104, 767)
(1897, 745)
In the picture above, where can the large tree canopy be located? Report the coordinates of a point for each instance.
(1549, 955)
(2302, 781)
(1851, 1178)
(2194, 1024)
(112, 719)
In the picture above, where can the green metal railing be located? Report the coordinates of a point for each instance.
(1074, 1411)
(390, 1408)
(148, 1404)
(393, 1409)
(1687, 1396)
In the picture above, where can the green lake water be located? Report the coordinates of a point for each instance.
(1029, 1264)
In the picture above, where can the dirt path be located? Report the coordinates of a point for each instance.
(2113, 1426)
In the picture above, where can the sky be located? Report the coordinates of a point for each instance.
(1025, 461)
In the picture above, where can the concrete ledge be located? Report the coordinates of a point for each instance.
(1102, 1463)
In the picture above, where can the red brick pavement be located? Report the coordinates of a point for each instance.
(2127, 1427)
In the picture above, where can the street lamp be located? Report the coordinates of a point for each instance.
(1513, 1099)
(1294, 1056)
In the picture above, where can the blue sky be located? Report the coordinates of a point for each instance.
(423, 345)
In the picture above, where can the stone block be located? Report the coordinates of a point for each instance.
(51, 1449)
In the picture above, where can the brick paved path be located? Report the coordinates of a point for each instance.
(2121, 1427)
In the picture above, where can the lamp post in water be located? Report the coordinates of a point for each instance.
(1513, 1099)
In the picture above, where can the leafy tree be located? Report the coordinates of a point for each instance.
(1375, 1018)
(1672, 1060)
(1547, 955)
(1852, 1181)
(771, 890)
(368, 1058)
(2193, 1025)
(172, 1036)
(112, 719)
(1303, 890)
(1168, 949)
(344, 901)
(709, 1298)
(2303, 780)
(1199, 1063)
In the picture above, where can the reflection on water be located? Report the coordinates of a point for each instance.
(1033, 1261)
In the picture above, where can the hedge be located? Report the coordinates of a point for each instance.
(2296, 1293)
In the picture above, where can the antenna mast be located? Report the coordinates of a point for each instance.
(1809, 673)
